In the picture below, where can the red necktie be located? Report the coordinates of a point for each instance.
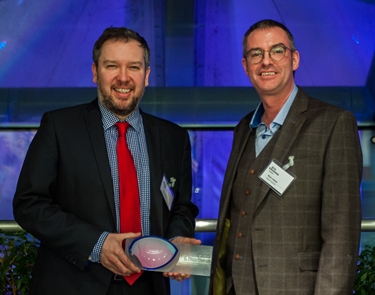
(130, 212)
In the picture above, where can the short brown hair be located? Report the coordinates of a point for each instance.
(117, 34)
(265, 24)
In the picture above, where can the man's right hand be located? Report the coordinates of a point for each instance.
(113, 255)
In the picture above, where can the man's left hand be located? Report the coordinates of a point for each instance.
(180, 276)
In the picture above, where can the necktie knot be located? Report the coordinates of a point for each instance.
(122, 127)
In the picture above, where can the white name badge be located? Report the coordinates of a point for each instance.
(276, 177)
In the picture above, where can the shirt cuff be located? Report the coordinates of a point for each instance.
(95, 254)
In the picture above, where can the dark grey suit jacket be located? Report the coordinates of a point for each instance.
(65, 197)
(305, 241)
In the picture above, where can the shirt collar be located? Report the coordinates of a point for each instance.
(256, 120)
(109, 119)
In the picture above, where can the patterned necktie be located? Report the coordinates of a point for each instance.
(130, 213)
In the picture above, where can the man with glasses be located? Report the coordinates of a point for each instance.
(290, 218)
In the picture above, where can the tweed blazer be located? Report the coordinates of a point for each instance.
(306, 240)
(65, 196)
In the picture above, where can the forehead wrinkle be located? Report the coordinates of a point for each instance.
(110, 61)
(106, 61)
(272, 46)
(264, 36)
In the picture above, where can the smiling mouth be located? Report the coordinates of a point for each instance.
(122, 90)
(268, 74)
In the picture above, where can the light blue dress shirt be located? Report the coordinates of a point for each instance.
(263, 133)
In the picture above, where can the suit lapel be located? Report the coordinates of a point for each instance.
(152, 134)
(96, 133)
(241, 137)
(238, 148)
(288, 135)
(291, 128)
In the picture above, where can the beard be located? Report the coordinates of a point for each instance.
(116, 108)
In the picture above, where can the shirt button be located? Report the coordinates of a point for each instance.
(243, 213)
(251, 171)
(239, 235)
(236, 257)
(247, 192)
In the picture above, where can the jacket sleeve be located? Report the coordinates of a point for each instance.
(37, 202)
(341, 211)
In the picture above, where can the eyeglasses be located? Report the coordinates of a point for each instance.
(276, 53)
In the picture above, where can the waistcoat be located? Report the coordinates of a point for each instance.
(243, 208)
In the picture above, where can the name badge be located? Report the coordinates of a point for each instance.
(167, 192)
(276, 177)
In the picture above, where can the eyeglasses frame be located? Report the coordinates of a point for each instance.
(269, 53)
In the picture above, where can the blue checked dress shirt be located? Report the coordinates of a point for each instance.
(136, 141)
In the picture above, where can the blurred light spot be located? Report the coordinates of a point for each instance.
(355, 39)
(2, 44)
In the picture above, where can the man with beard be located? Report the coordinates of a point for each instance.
(68, 193)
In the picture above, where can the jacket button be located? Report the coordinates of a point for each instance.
(239, 235)
(243, 213)
(251, 171)
(247, 192)
(237, 257)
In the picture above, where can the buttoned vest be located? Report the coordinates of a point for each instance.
(244, 205)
